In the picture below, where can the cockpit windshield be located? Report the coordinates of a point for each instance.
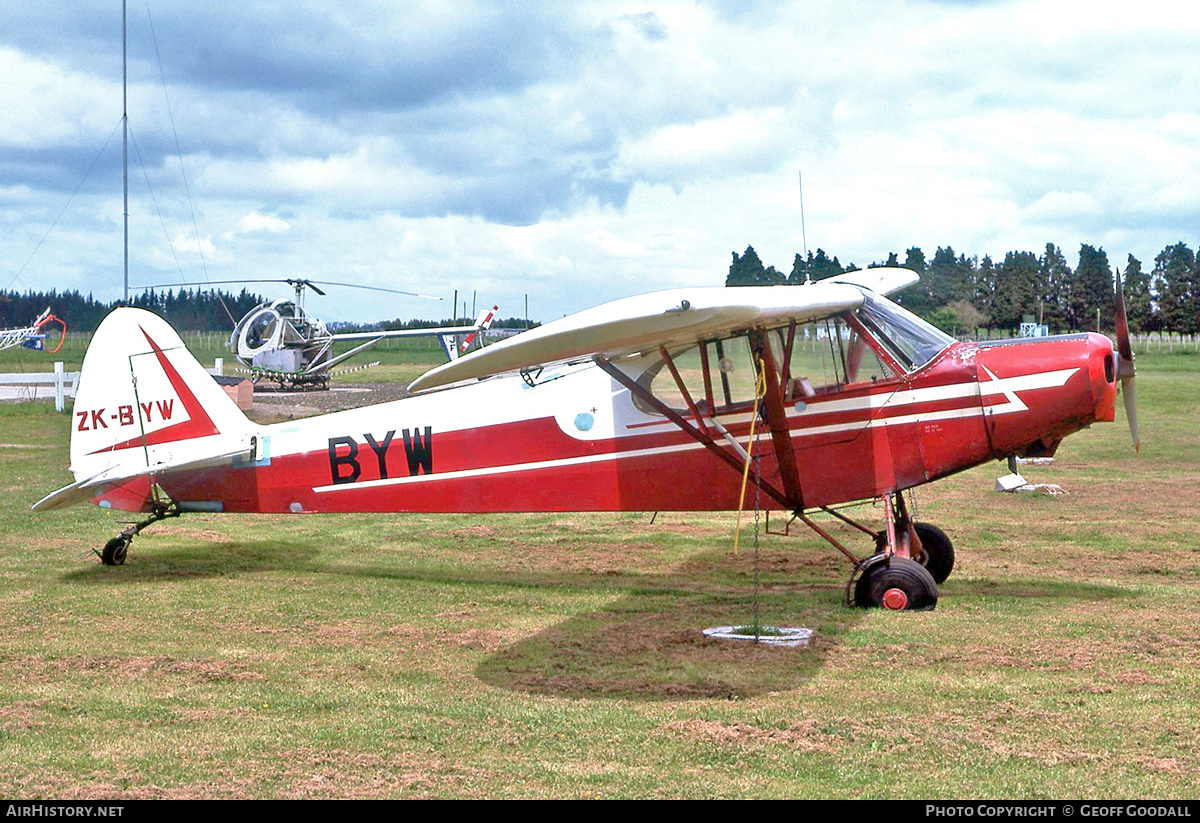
(909, 339)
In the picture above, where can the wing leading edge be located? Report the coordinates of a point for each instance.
(666, 318)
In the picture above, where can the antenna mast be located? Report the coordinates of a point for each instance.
(125, 133)
(803, 235)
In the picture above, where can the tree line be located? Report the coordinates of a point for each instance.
(960, 293)
(186, 310)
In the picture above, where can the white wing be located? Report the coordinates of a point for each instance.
(666, 318)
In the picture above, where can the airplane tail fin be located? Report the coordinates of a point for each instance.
(144, 406)
(450, 343)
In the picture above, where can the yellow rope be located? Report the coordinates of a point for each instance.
(760, 391)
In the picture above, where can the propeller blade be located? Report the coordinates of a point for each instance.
(1129, 390)
(1126, 369)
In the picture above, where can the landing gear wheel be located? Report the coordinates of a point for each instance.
(114, 551)
(895, 583)
(937, 551)
(936, 554)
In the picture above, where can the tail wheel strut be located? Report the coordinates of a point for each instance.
(116, 550)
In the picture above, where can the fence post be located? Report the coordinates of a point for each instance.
(59, 402)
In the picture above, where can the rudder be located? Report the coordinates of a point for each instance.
(144, 400)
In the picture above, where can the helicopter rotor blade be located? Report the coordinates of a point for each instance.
(376, 288)
(291, 282)
(302, 283)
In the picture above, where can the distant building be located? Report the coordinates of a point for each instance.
(239, 389)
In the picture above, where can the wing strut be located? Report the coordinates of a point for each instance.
(776, 416)
(700, 435)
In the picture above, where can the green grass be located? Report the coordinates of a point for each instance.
(561, 655)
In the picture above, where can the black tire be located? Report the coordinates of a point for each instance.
(896, 583)
(114, 551)
(937, 550)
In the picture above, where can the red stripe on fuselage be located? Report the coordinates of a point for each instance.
(686, 477)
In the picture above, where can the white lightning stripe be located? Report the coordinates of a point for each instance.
(1006, 386)
(908, 397)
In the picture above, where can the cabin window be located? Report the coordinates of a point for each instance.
(732, 371)
(829, 354)
(661, 383)
(720, 375)
(261, 329)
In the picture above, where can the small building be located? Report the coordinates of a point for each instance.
(239, 389)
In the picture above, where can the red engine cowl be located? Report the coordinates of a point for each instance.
(1035, 392)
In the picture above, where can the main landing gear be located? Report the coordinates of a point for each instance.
(115, 550)
(910, 560)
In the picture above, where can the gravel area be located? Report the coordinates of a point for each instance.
(274, 404)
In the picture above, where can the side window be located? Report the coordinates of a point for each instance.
(829, 354)
(729, 378)
(732, 371)
(661, 383)
(722, 373)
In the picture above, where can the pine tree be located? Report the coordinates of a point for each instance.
(746, 270)
(1053, 286)
(1138, 306)
(1174, 283)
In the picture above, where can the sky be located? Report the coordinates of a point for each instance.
(575, 153)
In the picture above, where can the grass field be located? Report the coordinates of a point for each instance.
(561, 655)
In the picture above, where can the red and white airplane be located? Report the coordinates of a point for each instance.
(817, 394)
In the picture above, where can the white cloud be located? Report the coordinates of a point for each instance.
(254, 222)
(581, 153)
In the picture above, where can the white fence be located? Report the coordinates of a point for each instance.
(58, 384)
(1168, 342)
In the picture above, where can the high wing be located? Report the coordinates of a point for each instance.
(666, 318)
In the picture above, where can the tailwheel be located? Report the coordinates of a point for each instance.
(115, 550)
(898, 583)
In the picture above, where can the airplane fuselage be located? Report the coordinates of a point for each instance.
(575, 439)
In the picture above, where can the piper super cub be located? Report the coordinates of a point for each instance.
(817, 394)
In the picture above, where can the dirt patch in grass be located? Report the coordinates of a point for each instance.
(200, 536)
(806, 736)
(26, 714)
(122, 669)
(323, 773)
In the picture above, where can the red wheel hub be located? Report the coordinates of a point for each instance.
(895, 599)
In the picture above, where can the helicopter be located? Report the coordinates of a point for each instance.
(278, 340)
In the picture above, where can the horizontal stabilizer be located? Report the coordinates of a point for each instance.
(116, 475)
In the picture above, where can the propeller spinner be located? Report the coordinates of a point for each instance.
(1125, 366)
